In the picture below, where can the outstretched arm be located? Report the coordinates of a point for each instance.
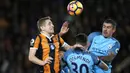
(111, 53)
(103, 65)
(108, 58)
(99, 62)
(64, 29)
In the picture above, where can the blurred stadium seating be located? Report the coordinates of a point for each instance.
(18, 22)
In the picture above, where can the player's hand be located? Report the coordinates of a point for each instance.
(64, 29)
(61, 54)
(48, 60)
(77, 45)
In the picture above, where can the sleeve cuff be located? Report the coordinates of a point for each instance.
(65, 44)
(33, 48)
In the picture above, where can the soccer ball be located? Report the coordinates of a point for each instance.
(75, 8)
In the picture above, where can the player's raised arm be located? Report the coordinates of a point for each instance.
(103, 65)
(64, 29)
(64, 44)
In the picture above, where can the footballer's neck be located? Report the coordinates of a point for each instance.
(107, 36)
(45, 33)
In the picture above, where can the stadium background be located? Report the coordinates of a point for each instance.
(18, 22)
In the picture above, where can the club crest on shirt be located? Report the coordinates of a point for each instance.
(52, 46)
(109, 46)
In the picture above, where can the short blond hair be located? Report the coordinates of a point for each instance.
(41, 22)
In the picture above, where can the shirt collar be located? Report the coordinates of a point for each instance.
(49, 37)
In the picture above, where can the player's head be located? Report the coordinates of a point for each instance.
(81, 39)
(108, 28)
(45, 24)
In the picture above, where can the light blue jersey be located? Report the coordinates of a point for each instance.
(80, 61)
(102, 46)
(91, 36)
(65, 70)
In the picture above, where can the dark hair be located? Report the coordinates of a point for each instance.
(114, 24)
(81, 38)
(41, 21)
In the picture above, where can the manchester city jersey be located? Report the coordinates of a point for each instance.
(80, 61)
(102, 46)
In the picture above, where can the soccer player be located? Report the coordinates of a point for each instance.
(44, 47)
(81, 61)
(105, 46)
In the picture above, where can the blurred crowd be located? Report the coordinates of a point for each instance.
(18, 20)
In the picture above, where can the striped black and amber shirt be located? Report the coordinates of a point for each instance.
(48, 46)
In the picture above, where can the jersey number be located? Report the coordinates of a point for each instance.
(80, 67)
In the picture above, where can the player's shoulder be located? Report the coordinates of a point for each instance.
(87, 53)
(93, 34)
(98, 37)
(35, 38)
(117, 42)
(69, 51)
(92, 55)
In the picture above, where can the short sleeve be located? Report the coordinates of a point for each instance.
(62, 42)
(115, 48)
(34, 43)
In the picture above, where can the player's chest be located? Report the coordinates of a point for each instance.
(102, 47)
(50, 43)
(103, 44)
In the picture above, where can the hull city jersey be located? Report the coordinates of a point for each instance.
(47, 47)
(102, 46)
(80, 61)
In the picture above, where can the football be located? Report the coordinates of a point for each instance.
(75, 8)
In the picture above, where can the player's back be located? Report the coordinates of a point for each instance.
(79, 61)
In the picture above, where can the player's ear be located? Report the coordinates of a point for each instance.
(114, 30)
(42, 28)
